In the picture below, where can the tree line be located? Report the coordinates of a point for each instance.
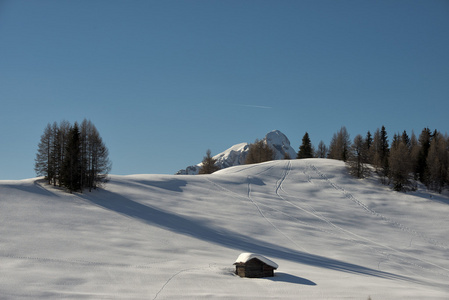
(401, 163)
(72, 156)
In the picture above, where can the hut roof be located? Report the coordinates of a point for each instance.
(244, 257)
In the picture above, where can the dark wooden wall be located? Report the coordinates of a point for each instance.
(254, 268)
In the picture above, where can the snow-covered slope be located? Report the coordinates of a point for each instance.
(236, 155)
(173, 237)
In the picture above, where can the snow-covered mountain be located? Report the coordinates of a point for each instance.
(280, 144)
(236, 155)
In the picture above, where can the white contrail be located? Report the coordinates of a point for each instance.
(255, 106)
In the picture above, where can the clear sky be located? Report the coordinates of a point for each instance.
(163, 81)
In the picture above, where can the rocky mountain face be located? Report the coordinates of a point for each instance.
(236, 154)
(280, 144)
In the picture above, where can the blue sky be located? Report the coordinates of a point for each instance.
(163, 81)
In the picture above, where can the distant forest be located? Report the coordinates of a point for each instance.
(401, 163)
(72, 156)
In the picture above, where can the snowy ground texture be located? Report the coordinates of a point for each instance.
(173, 237)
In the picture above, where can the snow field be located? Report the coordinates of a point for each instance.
(166, 237)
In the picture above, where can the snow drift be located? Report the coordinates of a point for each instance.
(172, 237)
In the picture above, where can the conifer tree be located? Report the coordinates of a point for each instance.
(414, 154)
(209, 164)
(84, 153)
(447, 159)
(380, 152)
(340, 144)
(368, 144)
(368, 140)
(55, 152)
(375, 149)
(72, 164)
(405, 139)
(400, 166)
(306, 149)
(43, 163)
(333, 148)
(322, 150)
(357, 158)
(99, 165)
(437, 163)
(424, 143)
(396, 140)
(384, 149)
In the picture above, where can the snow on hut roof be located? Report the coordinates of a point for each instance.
(244, 257)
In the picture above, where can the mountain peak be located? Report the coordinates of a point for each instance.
(236, 155)
(280, 144)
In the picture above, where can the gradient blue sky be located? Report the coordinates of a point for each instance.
(163, 81)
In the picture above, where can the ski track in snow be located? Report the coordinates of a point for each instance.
(397, 255)
(390, 254)
(267, 219)
(399, 225)
(347, 235)
(175, 275)
(355, 237)
(273, 196)
(250, 198)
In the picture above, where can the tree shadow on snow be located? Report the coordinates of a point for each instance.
(170, 185)
(233, 240)
(35, 188)
(174, 185)
(432, 196)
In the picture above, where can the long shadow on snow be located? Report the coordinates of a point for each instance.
(171, 185)
(35, 188)
(223, 237)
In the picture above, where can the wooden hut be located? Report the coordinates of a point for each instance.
(254, 266)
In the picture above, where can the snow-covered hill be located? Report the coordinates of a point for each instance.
(176, 237)
(236, 155)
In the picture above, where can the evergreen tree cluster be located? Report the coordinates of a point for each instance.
(403, 163)
(72, 156)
